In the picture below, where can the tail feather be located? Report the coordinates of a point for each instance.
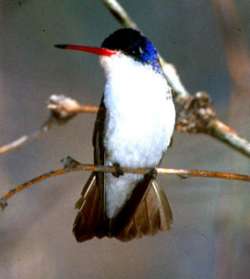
(89, 221)
(152, 213)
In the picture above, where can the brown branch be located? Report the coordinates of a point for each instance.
(24, 139)
(70, 165)
(61, 109)
(195, 115)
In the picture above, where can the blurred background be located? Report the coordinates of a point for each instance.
(208, 43)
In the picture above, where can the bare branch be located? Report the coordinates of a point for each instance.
(224, 133)
(173, 78)
(62, 109)
(119, 13)
(195, 115)
(24, 140)
(71, 165)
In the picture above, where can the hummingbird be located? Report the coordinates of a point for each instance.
(133, 128)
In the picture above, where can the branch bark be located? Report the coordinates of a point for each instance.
(61, 109)
(71, 165)
(18, 143)
(195, 115)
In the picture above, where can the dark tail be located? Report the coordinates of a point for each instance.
(152, 214)
(147, 212)
(90, 220)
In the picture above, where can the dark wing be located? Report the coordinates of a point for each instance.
(97, 140)
(99, 155)
(90, 220)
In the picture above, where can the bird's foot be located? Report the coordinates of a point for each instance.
(69, 162)
(152, 174)
(118, 170)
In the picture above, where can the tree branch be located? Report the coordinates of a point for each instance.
(71, 165)
(24, 139)
(195, 115)
(62, 109)
(119, 13)
(224, 133)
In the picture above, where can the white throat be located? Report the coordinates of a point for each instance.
(130, 74)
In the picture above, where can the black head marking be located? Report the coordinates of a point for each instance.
(134, 44)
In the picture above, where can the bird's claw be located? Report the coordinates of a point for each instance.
(152, 174)
(69, 162)
(118, 170)
(3, 203)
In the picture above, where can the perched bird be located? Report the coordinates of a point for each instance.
(133, 128)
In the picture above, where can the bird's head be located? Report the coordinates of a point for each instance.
(125, 42)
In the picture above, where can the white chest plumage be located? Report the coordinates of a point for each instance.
(139, 123)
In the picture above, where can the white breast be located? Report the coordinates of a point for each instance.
(139, 123)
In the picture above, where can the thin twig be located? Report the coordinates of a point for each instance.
(64, 108)
(221, 131)
(119, 13)
(195, 116)
(190, 120)
(24, 140)
(74, 166)
(61, 109)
